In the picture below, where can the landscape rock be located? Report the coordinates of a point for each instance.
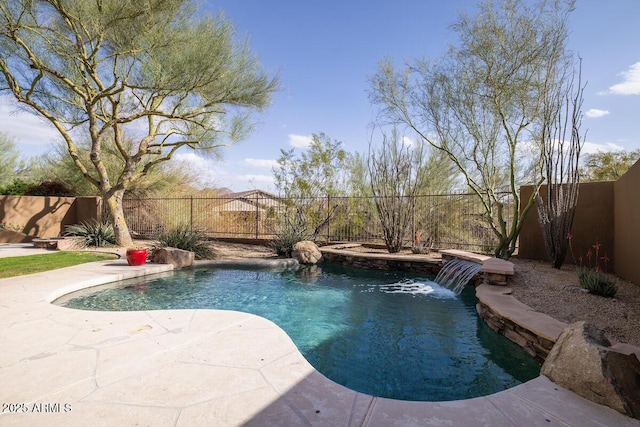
(306, 252)
(583, 362)
(177, 257)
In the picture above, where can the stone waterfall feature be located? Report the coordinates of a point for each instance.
(456, 273)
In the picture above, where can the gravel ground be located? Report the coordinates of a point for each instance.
(541, 287)
(558, 294)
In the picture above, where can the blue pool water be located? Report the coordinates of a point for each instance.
(387, 334)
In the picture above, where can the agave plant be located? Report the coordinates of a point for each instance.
(186, 238)
(92, 233)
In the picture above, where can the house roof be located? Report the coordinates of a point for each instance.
(252, 193)
(252, 198)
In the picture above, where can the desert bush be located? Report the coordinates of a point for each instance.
(16, 188)
(421, 245)
(291, 229)
(92, 233)
(596, 283)
(284, 242)
(49, 188)
(186, 238)
(12, 227)
(593, 278)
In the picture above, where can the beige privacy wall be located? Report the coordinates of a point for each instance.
(627, 224)
(607, 211)
(593, 220)
(43, 216)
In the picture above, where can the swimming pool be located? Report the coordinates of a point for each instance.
(388, 334)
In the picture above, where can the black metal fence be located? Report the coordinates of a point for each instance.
(446, 221)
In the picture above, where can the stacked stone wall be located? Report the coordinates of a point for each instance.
(534, 344)
(417, 265)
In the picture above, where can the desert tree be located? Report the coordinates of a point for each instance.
(170, 178)
(308, 180)
(11, 166)
(317, 171)
(607, 165)
(562, 143)
(108, 71)
(444, 210)
(395, 176)
(482, 104)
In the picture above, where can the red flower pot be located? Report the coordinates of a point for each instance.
(136, 256)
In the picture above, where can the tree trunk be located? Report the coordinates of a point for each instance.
(504, 250)
(120, 228)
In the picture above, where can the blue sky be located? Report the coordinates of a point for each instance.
(324, 51)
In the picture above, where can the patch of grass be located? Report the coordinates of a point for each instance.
(21, 265)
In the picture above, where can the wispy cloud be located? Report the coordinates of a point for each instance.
(592, 147)
(630, 84)
(26, 128)
(594, 113)
(408, 142)
(193, 160)
(261, 163)
(299, 141)
(256, 179)
(209, 171)
(237, 176)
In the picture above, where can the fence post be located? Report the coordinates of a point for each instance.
(257, 217)
(191, 213)
(328, 218)
(412, 236)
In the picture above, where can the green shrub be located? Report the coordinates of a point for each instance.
(420, 250)
(289, 233)
(11, 227)
(596, 283)
(17, 188)
(284, 242)
(593, 279)
(186, 238)
(92, 233)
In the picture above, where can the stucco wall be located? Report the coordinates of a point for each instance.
(46, 216)
(594, 219)
(627, 224)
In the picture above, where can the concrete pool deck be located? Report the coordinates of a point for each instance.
(70, 367)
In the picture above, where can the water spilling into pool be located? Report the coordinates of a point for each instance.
(387, 334)
(456, 273)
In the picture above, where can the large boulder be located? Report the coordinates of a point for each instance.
(177, 257)
(582, 361)
(306, 252)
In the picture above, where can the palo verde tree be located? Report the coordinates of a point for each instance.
(111, 70)
(308, 181)
(160, 181)
(482, 103)
(607, 166)
(10, 164)
(562, 143)
(317, 171)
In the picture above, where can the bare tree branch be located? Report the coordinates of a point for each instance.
(562, 145)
